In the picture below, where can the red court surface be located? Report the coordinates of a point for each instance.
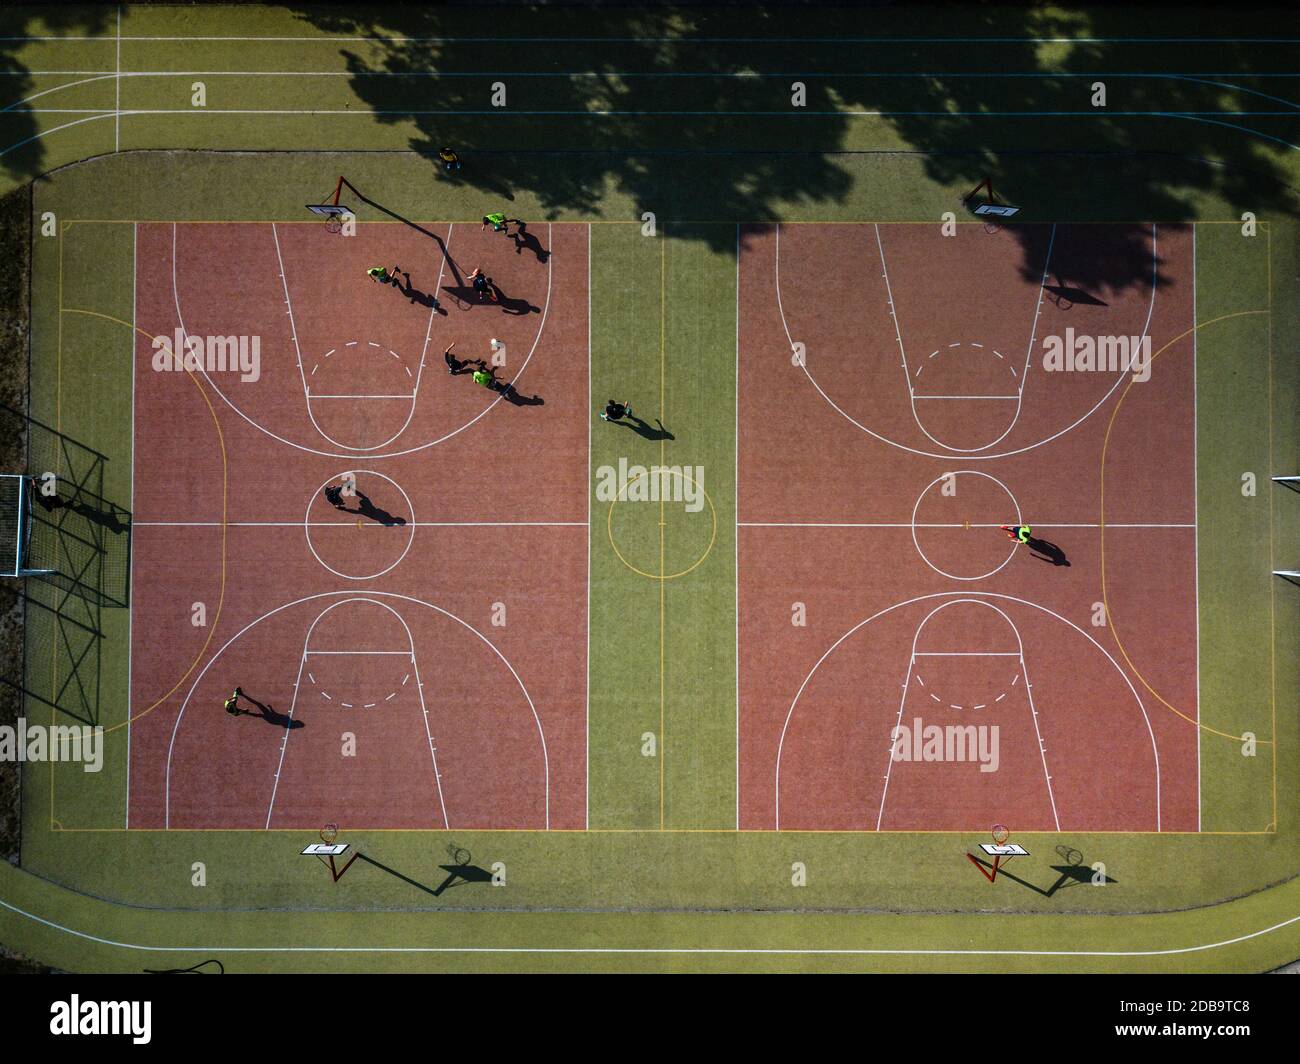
(394, 696)
(946, 678)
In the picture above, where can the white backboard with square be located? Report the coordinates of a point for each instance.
(325, 849)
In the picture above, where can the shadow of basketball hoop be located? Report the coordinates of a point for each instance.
(1064, 297)
(1071, 873)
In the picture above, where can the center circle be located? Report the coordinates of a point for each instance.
(338, 534)
(685, 479)
(953, 508)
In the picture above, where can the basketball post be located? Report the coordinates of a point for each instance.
(1000, 849)
(333, 212)
(990, 206)
(327, 851)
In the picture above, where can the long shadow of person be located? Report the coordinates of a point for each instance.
(374, 513)
(643, 428)
(365, 508)
(106, 518)
(1047, 551)
(524, 239)
(418, 228)
(1074, 295)
(515, 306)
(424, 299)
(509, 394)
(268, 714)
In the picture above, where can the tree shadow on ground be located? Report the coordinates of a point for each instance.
(689, 112)
(22, 151)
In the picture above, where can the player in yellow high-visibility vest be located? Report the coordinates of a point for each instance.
(1020, 533)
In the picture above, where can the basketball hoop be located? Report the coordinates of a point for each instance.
(1000, 849)
(990, 208)
(334, 212)
(329, 833)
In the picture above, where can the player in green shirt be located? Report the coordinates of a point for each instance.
(496, 221)
(383, 275)
(1020, 533)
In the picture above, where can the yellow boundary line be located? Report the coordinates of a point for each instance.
(662, 577)
(1102, 527)
(221, 442)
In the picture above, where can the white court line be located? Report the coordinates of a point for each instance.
(650, 950)
(537, 339)
(785, 325)
(306, 388)
(1029, 353)
(284, 746)
(130, 614)
(347, 596)
(1196, 540)
(735, 503)
(889, 295)
(408, 113)
(979, 595)
(409, 652)
(902, 704)
(966, 654)
(1011, 553)
(360, 653)
(920, 524)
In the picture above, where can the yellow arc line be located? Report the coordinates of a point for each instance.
(661, 575)
(221, 595)
(1102, 526)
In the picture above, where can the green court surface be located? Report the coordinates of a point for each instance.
(661, 144)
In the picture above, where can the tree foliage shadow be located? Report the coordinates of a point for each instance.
(23, 150)
(708, 137)
(688, 111)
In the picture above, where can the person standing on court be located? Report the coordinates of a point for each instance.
(482, 284)
(383, 275)
(487, 378)
(450, 159)
(615, 411)
(1020, 533)
(456, 365)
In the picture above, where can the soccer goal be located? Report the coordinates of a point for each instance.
(15, 525)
